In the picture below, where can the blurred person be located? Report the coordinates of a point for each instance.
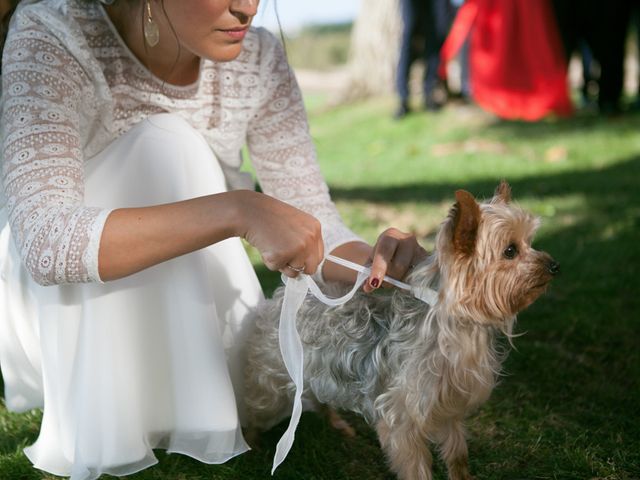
(465, 73)
(635, 25)
(603, 26)
(425, 25)
(609, 49)
(517, 69)
(126, 294)
(578, 27)
(578, 24)
(590, 75)
(463, 58)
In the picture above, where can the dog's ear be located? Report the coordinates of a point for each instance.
(502, 193)
(465, 222)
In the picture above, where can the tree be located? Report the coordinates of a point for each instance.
(373, 55)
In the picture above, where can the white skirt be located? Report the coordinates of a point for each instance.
(153, 360)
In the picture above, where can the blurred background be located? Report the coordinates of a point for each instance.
(323, 44)
(296, 15)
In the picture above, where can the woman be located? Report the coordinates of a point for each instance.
(125, 289)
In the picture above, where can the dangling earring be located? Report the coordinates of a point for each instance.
(150, 28)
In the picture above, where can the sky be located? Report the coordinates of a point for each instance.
(297, 13)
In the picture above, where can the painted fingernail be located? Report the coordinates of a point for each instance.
(375, 282)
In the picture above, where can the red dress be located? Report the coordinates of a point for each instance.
(517, 65)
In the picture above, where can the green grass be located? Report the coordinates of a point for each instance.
(568, 405)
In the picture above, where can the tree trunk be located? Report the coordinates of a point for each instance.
(373, 55)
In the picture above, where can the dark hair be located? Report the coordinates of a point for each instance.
(4, 26)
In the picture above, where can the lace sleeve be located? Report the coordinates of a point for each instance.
(42, 161)
(281, 149)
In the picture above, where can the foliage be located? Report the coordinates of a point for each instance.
(319, 47)
(567, 406)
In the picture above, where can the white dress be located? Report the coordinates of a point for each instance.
(155, 359)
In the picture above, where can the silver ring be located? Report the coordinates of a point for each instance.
(296, 269)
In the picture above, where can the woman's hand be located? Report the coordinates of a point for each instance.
(394, 254)
(288, 239)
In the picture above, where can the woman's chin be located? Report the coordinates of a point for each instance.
(225, 54)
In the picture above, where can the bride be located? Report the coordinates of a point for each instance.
(124, 286)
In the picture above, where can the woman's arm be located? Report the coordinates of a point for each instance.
(61, 240)
(136, 238)
(285, 160)
(43, 88)
(281, 148)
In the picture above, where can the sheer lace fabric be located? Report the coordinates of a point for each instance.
(70, 87)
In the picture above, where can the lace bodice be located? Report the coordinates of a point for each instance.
(70, 86)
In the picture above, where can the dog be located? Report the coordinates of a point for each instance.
(413, 371)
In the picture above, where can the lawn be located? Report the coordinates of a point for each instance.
(568, 405)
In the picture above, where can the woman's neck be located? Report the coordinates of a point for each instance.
(167, 60)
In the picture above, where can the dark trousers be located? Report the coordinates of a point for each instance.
(635, 22)
(603, 25)
(425, 26)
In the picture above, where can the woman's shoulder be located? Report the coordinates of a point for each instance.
(54, 19)
(262, 44)
(59, 25)
(49, 12)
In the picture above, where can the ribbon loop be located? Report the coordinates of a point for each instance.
(293, 356)
(295, 291)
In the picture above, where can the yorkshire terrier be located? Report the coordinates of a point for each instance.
(413, 371)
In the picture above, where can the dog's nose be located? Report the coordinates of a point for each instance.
(553, 267)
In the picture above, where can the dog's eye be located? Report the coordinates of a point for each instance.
(511, 252)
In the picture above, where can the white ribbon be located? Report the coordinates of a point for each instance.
(295, 291)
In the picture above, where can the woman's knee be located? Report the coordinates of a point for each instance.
(169, 130)
(161, 159)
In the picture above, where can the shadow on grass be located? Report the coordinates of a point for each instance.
(617, 182)
(568, 404)
(570, 399)
(580, 123)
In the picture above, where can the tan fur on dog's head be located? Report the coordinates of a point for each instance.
(490, 272)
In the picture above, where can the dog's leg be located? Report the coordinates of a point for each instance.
(268, 400)
(406, 448)
(453, 448)
(268, 388)
(335, 420)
